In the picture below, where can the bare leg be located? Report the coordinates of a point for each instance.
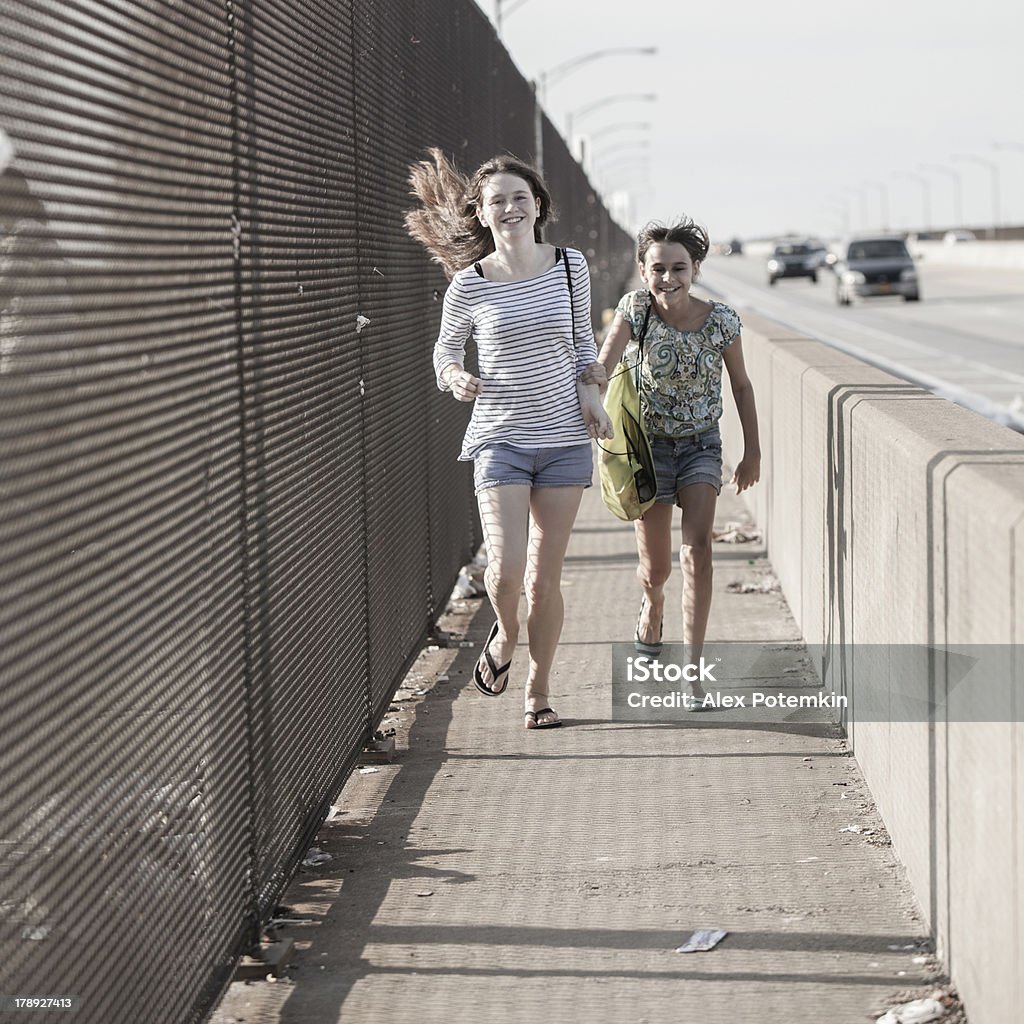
(654, 546)
(698, 502)
(552, 512)
(505, 515)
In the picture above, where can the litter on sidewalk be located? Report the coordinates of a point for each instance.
(920, 1011)
(702, 941)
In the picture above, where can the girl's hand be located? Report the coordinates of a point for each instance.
(595, 373)
(466, 387)
(747, 473)
(598, 422)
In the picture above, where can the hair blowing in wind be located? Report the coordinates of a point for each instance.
(446, 224)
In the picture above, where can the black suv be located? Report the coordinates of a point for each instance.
(794, 259)
(878, 265)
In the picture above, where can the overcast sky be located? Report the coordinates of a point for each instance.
(771, 115)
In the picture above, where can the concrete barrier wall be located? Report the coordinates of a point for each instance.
(1003, 254)
(894, 517)
(983, 253)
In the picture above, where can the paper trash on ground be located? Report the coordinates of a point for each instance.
(702, 941)
(920, 1011)
(315, 857)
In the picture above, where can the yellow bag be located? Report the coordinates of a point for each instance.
(628, 479)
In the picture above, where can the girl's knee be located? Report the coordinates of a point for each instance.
(696, 556)
(504, 578)
(653, 576)
(543, 590)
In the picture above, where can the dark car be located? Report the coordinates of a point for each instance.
(794, 259)
(879, 265)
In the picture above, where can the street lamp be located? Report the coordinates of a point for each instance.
(589, 108)
(620, 127)
(842, 205)
(925, 194)
(612, 130)
(637, 160)
(560, 71)
(500, 11)
(883, 195)
(863, 203)
(957, 190)
(626, 160)
(620, 147)
(994, 168)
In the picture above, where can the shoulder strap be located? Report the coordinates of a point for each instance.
(478, 269)
(564, 255)
(638, 378)
(647, 320)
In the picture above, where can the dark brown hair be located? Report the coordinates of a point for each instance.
(446, 224)
(691, 236)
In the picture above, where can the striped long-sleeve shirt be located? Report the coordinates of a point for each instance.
(528, 354)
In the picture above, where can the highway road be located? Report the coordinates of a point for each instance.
(964, 340)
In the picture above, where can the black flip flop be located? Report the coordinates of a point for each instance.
(535, 715)
(496, 672)
(642, 646)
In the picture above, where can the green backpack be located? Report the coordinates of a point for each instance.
(628, 479)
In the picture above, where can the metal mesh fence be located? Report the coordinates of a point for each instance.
(228, 515)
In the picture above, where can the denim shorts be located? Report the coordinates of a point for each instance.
(681, 461)
(500, 464)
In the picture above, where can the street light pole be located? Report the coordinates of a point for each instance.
(560, 71)
(611, 130)
(619, 164)
(500, 12)
(994, 168)
(863, 203)
(620, 127)
(580, 112)
(883, 193)
(621, 147)
(925, 194)
(957, 190)
(844, 205)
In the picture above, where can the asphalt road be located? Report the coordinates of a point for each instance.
(963, 340)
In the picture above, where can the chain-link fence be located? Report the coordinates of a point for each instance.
(230, 508)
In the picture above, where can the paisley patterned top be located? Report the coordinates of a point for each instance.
(682, 370)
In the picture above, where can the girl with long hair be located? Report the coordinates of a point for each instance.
(526, 305)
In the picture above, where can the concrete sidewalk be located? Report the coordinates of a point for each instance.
(495, 874)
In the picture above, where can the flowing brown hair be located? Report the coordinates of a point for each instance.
(446, 224)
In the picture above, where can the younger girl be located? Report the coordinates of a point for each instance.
(685, 344)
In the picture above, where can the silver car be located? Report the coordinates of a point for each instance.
(879, 265)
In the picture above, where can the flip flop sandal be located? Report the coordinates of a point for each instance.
(496, 672)
(642, 646)
(535, 715)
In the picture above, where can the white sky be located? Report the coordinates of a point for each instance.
(771, 115)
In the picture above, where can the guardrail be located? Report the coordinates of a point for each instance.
(896, 519)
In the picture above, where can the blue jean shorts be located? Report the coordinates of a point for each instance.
(500, 464)
(681, 461)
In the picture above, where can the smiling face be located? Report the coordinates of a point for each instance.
(508, 206)
(668, 271)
